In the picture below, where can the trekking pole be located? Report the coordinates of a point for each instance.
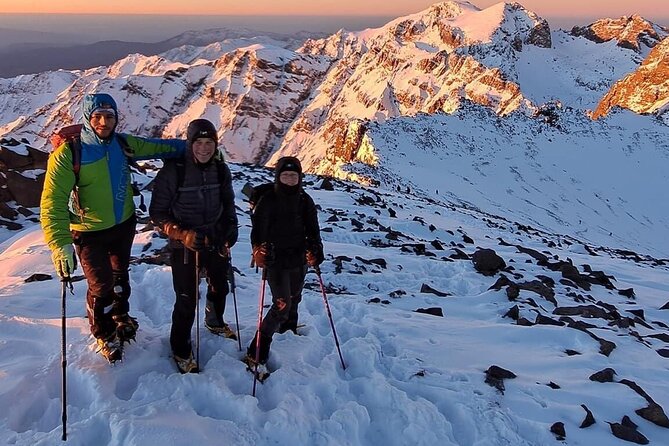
(261, 304)
(327, 307)
(65, 281)
(231, 278)
(197, 309)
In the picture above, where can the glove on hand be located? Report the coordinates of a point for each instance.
(64, 261)
(314, 259)
(194, 240)
(260, 255)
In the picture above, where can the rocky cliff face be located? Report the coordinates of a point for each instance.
(646, 90)
(633, 32)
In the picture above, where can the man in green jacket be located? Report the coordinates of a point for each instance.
(100, 219)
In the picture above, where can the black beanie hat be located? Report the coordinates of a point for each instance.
(201, 128)
(287, 163)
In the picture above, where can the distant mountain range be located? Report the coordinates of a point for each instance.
(38, 57)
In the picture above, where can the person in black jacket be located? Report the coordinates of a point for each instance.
(193, 204)
(285, 237)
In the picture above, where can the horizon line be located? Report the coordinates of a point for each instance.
(194, 15)
(265, 15)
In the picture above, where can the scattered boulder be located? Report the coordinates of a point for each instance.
(7, 212)
(501, 282)
(627, 431)
(655, 414)
(379, 262)
(434, 311)
(545, 320)
(513, 313)
(605, 347)
(38, 277)
(570, 272)
(589, 419)
(436, 244)
(425, 288)
(523, 322)
(538, 287)
(603, 376)
(487, 262)
(397, 294)
(496, 375)
(459, 255)
(587, 311)
(326, 184)
(533, 253)
(629, 292)
(558, 430)
(512, 292)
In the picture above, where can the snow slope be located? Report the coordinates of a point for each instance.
(599, 181)
(411, 378)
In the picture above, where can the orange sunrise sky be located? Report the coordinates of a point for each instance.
(563, 8)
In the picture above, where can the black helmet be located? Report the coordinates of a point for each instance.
(201, 128)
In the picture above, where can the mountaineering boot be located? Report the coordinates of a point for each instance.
(186, 365)
(223, 330)
(126, 327)
(260, 369)
(214, 323)
(111, 348)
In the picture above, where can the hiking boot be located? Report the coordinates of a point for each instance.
(260, 369)
(221, 330)
(126, 327)
(186, 365)
(111, 348)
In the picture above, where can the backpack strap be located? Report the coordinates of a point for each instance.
(75, 147)
(128, 151)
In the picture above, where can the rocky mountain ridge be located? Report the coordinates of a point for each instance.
(633, 32)
(646, 90)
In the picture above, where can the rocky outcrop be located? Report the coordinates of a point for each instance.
(646, 90)
(21, 180)
(633, 32)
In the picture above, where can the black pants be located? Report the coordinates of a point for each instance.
(105, 259)
(214, 268)
(286, 286)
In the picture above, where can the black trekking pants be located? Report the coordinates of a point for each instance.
(214, 268)
(105, 258)
(286, 285)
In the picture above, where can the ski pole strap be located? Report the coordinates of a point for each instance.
(67, 284)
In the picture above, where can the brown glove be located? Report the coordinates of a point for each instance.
(259, 255)
(311, 259)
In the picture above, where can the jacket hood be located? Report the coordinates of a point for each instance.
(91, 103)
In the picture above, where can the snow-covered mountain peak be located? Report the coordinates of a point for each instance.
(632, 32)
(139, 64)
